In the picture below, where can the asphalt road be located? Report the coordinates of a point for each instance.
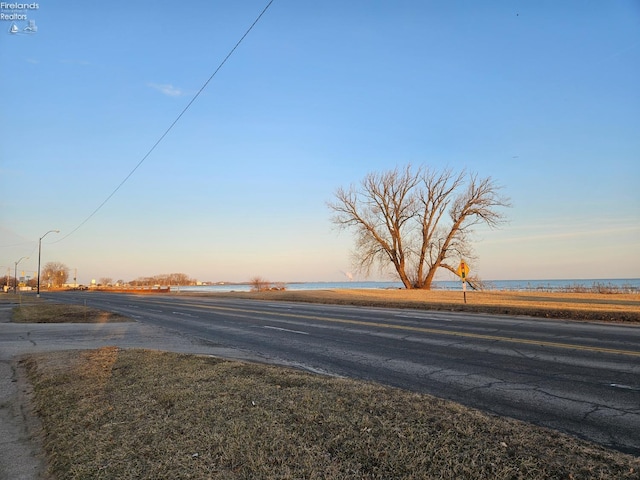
(579, 378)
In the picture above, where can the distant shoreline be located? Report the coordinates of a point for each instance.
(623, 285)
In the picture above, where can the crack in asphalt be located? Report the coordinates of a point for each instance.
(585, 417)
(595, 407)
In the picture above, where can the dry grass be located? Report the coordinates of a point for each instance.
(19, 298)
(576, 306)
(116, 414)
(56, 313)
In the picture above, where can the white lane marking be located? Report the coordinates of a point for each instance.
(184, 314)
(624, 387)
(423, 317)
(286, 330)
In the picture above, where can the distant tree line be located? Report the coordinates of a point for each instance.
(163, 280)
(10, 281)
(52, 275)
(56, 275)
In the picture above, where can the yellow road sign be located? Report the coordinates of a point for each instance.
(463, 270)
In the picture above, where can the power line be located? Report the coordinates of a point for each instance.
(166, 132)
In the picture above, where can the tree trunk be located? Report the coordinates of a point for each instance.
(403, 276)
(426, 284)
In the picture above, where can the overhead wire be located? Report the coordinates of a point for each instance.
(166, 132)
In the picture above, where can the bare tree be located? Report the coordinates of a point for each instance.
(55, 274)
(179, 279)
(259, 284)
(416, 220)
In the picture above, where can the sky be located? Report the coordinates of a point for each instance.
(540, 96)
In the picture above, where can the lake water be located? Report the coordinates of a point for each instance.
(629, 285)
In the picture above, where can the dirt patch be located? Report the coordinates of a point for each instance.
(113, 413)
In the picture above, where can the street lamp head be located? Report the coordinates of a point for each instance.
(21, 258)
(50, 231)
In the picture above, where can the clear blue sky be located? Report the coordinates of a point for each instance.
(542, 96)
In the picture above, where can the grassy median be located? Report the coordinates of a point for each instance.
(59, 313)
(125, 414)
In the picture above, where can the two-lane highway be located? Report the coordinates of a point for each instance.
(580, 378)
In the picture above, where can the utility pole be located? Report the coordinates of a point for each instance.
(15, 275)
(39, 251)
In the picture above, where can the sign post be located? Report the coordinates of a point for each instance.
(463, 271)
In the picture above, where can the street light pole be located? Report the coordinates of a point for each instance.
(15, 275)
(39, 252)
